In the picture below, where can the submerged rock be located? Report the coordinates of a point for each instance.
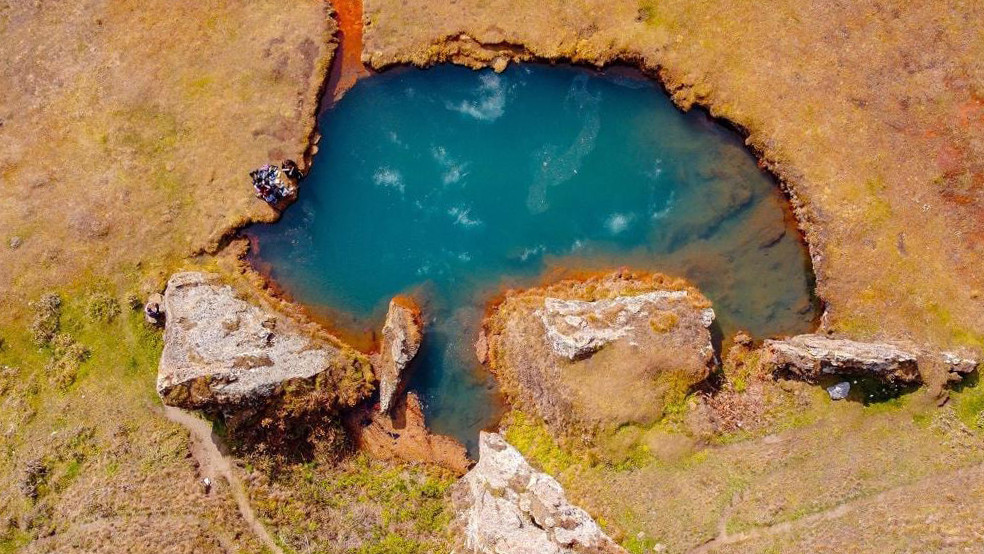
(813, 356)
(402, 334)
(600, 353)
(504, 505)
(224, 354)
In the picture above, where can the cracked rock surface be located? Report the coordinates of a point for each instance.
(813, 356)
(222, 353)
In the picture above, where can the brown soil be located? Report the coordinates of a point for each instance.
(347, 67)
(213, 464)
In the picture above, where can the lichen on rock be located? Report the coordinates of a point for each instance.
(504, 505)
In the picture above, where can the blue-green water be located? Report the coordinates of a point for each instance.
(450, 184)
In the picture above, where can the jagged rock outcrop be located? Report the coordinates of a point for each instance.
(814, 356)
(402, 334)
(222, 353)
(503, 505)
(404, 436)
(599, 353)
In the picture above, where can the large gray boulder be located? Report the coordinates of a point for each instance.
(503, 506)
(222, 353)
(813, 356)
(401, 338)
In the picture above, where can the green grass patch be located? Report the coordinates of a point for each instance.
(968, 402)
(530, 436)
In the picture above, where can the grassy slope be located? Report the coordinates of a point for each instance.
(127, 131)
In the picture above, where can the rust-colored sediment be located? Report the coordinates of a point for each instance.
(347, 67)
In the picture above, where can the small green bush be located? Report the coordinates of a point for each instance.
(67, 356)
(47, 318)
(102, 307)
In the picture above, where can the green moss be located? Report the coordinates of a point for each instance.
(530, 436)
(649, 13)
(392, 507)
(393, 543)
(639, 545)
(968, 402)
(13, 541)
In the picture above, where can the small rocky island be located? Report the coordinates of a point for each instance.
(600, 353)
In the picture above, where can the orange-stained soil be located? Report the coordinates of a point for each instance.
(347, 67)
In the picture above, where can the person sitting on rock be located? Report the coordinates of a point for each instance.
(153, 311)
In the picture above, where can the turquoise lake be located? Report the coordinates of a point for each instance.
(452, 185)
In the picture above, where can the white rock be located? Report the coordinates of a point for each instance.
(503, 506)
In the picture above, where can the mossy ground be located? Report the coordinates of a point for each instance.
(777, 480)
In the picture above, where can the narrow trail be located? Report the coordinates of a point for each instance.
(725, 539)
(214, 463)
(347, 66)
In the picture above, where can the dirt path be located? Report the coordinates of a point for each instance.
(214, 463)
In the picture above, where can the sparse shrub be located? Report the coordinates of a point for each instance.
(133, 301)
(47, 318)
(67, 357)
(8, 375)
(102, 307)
(979, 421)
(33, 476)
